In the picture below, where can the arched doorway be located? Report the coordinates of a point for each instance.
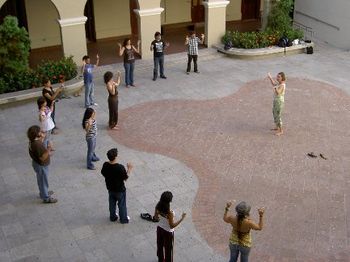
(90, 30)
(15, 8)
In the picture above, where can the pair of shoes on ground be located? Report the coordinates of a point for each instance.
(311, 154)
(148, 217)
(117, 217)
(50, 200)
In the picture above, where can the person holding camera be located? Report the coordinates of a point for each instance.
(242, 224)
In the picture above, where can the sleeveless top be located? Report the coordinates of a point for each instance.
(50, 92)
(92, 132)
(164, 223)
(129, 56)
(280, 96)
(246, 238)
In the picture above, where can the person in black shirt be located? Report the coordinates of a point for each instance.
(158, 46)
(115, 175)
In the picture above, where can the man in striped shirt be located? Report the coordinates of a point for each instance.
(192, 43)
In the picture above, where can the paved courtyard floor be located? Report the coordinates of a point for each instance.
(206, 138)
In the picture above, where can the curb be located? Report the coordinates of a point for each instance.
(258, 53)
(71, 87)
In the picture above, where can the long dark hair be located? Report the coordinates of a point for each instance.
(240, 218)
(88, 113)
(163, 206)
(126, 41)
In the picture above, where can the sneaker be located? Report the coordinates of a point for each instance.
(164, 77)
(154, 79)
(188, 73)
(94, 104)
(50, 193)
(197, 72)
(126, 221)
(92, 168)
(115, 219)
(50, 201)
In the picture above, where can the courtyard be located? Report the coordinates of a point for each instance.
(206, 137)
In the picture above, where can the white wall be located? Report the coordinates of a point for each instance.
(112, 18)
(330, 20)
(43, 27)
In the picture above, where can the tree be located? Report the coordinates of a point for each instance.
(279, 19)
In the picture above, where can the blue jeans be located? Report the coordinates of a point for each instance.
(42, 173)
(91, 156)
(129, 73)
(119, 197)
(236, 250)
(89, 94)
(158, 60)
(47, 138)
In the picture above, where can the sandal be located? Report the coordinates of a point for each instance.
(311, 155)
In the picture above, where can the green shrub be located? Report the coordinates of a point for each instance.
(57, 71)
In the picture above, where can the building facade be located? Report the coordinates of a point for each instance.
(71, 24)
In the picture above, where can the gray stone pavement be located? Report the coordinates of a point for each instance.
(77, 227)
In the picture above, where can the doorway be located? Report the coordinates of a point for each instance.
(15, 8)
(250, 9)
(197, 11)
(90, 30)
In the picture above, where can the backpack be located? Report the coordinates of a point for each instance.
(228, 45)
(283, 42)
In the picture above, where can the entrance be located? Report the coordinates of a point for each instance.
(90, 22)
(15, 8)
(250, 9)
(197, 11)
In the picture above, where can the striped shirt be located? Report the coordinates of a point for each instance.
(92, 132)
(193, 45)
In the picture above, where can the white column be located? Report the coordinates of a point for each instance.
(215, 21)
(73, 37)
(149, 22)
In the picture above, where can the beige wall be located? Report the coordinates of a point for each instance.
(112, 18)
(43, 27)
(178, 11)
(233, 10)
(330, 20)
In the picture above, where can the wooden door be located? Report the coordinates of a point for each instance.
(197, 11)
(15, 8)
(90, 30)
(250, 9)
(133, 18)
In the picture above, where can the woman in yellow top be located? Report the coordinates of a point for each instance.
(241, 240)
(279, 88)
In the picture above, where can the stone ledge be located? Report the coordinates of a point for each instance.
(71, 87)
(259, 53)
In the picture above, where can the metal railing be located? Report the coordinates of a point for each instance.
(307, 29)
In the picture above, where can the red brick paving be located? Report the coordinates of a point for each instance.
(228, 145)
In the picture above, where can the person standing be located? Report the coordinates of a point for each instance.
(50, 96)
(89, 124)
(165, 230)
(279, 89)
(40, 162)
(47, 124)
(112, 88)
(241, 239)
(158, 46)
(115, 175)
(192, 42)
(127, 50)
(87, 70)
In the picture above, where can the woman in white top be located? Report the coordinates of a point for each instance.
(46, 122)
(279, 89)
(165, 229)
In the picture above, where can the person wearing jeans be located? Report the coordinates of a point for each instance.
(158, 46)
(127, 50)
(87, 70)
(40, 161)
(89, 124)
(115, 175)
(241, 240)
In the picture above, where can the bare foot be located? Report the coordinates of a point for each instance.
(115, 128)
(279, 133)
